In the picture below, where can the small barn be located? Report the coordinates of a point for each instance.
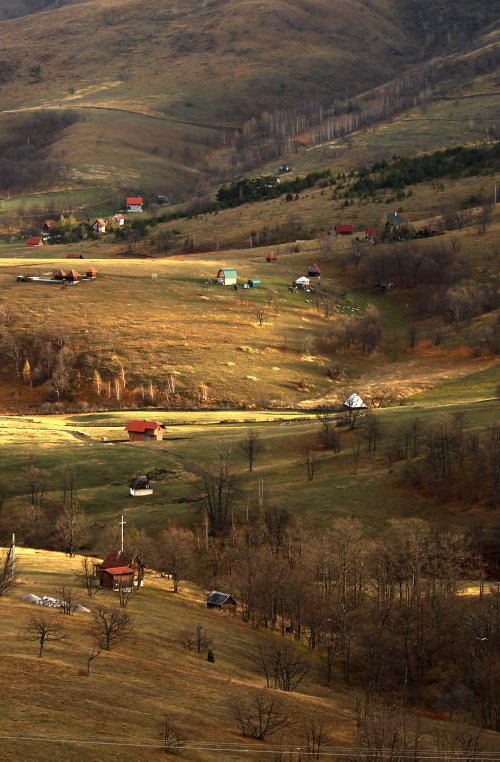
(271, 256)
(145, 431)
(91, 273)
(99, 226)
(227, 276)
(372, 233)
(221, 601)
(117, 578)
(49, 226)
(134, 204)
(314, 271)
(73, 276)
(119, 567)
(34, 241)
(343, 229)
(254, 283)
(74, 255)
(141, 487)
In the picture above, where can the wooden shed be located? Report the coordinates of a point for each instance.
(227, 276)
(74, 256)
(33, 241)
(117, 578)
(313, 271)
(221, 601)
(271, 256)
(372, 232)
(254, 283)
(144, 430)
(343, 229)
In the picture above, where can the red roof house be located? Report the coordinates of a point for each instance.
(119, 569)
(372, 232)
(134, 203)
(34, 241)
(343, 229)
(117, 578)
(144, 430)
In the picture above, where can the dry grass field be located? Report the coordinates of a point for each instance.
(50, 709)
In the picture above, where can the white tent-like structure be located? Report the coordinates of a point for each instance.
(354, 402)
(302, 281)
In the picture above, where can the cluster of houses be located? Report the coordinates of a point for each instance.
(60, 277)
(51, 228)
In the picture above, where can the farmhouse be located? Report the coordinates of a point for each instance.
(144, 430)
(227, 276)
(99, 226)
(343, 229)
(134, 204)
(221, 601)
(49, 226)
(33, 241)
(119, 570)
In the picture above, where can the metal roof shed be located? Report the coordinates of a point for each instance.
(254, 282)
(227, 276)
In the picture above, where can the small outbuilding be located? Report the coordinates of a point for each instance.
(301, 282)
(271, 256)
(134, 204)
(73, 276)
(99, 226)
(118, 219)
(343, 229)
(254, 283)
(117, 578)
(34, 241)
(227, 276)
(74, 255)
(91, 273)
(354, 402)
(141, 487)
(221, 601)
(145, 431)
(372, 233)
(314, 271)
(60, 275)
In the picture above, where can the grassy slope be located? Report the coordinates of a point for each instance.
(133, 688)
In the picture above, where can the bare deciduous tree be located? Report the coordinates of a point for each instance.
(261, 716)
(87, 576)
(311, 460)
(176, 553)
(251, 447)
(43, 629)
(110, 626)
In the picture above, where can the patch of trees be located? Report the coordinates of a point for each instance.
(401, 171)
(25, 148)
(458, 464)
(363, 331)
(249, 190)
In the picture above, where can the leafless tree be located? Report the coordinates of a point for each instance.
(311, 460)
(87, 576)
(71, 524)
(8, 574)
(176, 553)
(196, 639)
(283, 666)
(69, 598)
(315, 736)
(124, 595)
(43, 629)
(110, 626)
(251, 447)
(218, 489)
(90, 659)
(328, 434)
(261, 716)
